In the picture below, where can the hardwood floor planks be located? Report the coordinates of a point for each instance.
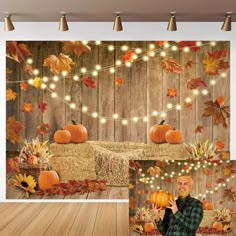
(43, 220)
(106, 220)
(84, 222)
(122, 219)
(64, 220)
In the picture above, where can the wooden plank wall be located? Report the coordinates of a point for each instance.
(201, 181)
(143, 90)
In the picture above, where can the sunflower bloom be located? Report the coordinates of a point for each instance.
(27, 183)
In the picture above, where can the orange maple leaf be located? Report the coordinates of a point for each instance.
(188, 105)
(171, 92)
(171, 65)
(195, 83)
(59, 63)
(14, 129)
(213, 62)
(10, 95)
(219, 145)
(160, 43)
(27, 107)
(17, 52)
(75, 46)
(128, 56)
(23, 86)
(12, 165)
(221, 100)
(118, 81)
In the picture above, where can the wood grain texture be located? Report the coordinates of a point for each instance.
(143, 91)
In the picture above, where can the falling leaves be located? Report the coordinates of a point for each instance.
(77, 47)
(198, 129)
(219, 145)
(89, 82)
(195, 83)
(230, 194)
(10, 95)
(188, 64)
(154, 170)
(171, 65)
(27, 107)
(12, 165)
(118, 81)
(171, 92)
(134, 165)
(23, 86)
(58, 63)
(191, 44)
(43, 128)
(128, 56)
(42, 106)
(213, 62)
(17, 52)
(219, 113)
(8, 72)
(188, 105)
(14, 129)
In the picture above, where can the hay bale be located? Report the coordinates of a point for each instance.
(114, 167)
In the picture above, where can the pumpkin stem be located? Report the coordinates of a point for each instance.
(162, 122)
(73, 122)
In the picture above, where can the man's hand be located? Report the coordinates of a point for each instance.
(173, 206)
(156, 211)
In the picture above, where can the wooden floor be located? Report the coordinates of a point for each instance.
(109, 193)
(59, 219)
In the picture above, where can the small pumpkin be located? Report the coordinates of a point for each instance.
(174, 136)
(148, 227)
(161, 198)
(47, 178)
(78, 132)
(32, 160)
(157, 132)
(217, 226)
(209, 206)
(62, 136)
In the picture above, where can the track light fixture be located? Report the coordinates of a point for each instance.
(227, 22)
(63, 26)
(172, 23)
(8, 25)
(117, 23)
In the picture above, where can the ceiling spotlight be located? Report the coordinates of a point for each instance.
(227, 22)
(172, 23)
(117, 23)
(8, 26)
(63, 26)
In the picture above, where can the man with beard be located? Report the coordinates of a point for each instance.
(183, 216)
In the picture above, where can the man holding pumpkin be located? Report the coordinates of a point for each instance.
(183, 216)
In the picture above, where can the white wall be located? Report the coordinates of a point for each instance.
(103, 31)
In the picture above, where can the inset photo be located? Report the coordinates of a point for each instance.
(182, 198)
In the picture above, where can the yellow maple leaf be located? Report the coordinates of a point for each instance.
(10, 95)
(75, 46)
(59, 63)
(14, 129)
(211, 65)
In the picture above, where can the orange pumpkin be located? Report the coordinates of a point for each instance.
(161, 198)
(209, 206)
(78, 132)
(62, 136)
(218, 226)
(157, 132)
(32, 160)
(148, 227)
(47, 179)
(174, 136)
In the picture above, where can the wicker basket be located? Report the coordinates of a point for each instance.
(33, 170)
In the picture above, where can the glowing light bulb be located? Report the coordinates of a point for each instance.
(163, 54)
(213, 43)
(128, 64)
(166, 45)
(145, 58)
(151, 46)
(72, 106)
(138, 50)
(103, 120)
(55, 78)
(29, 61)
(98, 67)
(112, 70)
(223, 75)
(212, 82)
(76, 78)
(145, 119)
(52, 86)
(124, 122)
(124, 48)
(188, 100)
(186, 49)
(178, 107)
(84, 109)
(155, 113)
(118, 62)
(53, 95)
(199, 43)
(94, 114)
(98, 42)
(169, 105)
(83, 70)
(115, 116)
(95, 73)
(163, 114)
(64, 73)
(195, 92)
(204, 92)
(45, 79)
(35, 71)
(135, 119)
(111, 48)
(43, 86)
(174, 48)
(68, 98)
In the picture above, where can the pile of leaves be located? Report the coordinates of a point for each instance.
(74, 186)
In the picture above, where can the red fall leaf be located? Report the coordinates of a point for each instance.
(42, 106)
(195, 83)
(43, 128)
(171, 65)
(171, 92)
(27, 107)
(198, 129)
(190, 44)
(188, 64)
(188, 105)
(23, 86)
(128, 56)
(118, 81)
(219, 145)
(89, 82)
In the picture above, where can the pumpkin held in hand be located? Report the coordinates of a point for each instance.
(78, 132)
(47, 179)
(62, 136)
(157, 132)
(174, 136)
(161, 198)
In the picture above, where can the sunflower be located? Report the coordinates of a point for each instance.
(27, 183)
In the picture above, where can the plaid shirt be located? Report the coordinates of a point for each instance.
(185, 221)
